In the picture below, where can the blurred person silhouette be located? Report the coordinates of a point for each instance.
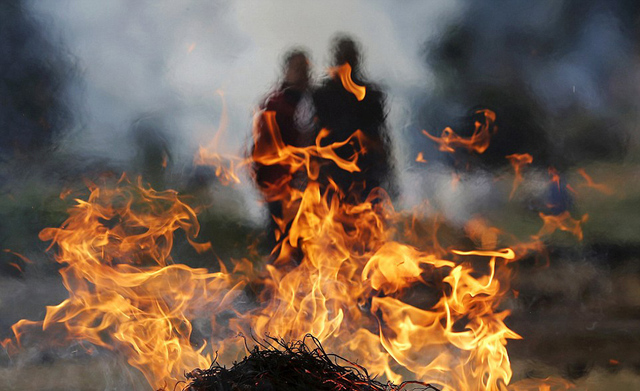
(341, 113)
(150, 136)
(293, 107)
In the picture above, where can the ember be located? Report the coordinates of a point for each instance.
(301, 365)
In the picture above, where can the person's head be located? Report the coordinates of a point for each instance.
(345, 49)
(295, 68)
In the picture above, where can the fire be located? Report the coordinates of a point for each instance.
(344, 72)
(507, 253)
(350, 284)
(64, 193)
(563, 222)
(591, 184)
(16, 265)
(226, 166)
(483, 235)
(479, 140)
(518, 160)
(349, 289)
(125, 294)
(461, 339)
(269, 149)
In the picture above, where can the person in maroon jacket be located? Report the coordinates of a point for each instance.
(293, 107)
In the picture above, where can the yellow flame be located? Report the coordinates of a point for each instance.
(349, 289)
(124, 294)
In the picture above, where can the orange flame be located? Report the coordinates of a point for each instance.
(64, 193)
(344, 72)
(478, 142)
(349, 289)
(484, 236)
(349, 255)
(124, 295)
(518, 160)
(22, 257)
(604, 189)
(226, 166)
(324, 295)
(563, 222)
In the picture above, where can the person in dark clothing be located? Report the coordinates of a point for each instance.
(292, 105)
(341, 111)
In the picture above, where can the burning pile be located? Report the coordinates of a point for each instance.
(349, 289)
(302, 365)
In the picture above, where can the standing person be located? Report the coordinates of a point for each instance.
(342, 112)
(291, 102)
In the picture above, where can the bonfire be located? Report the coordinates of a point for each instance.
(348, 292)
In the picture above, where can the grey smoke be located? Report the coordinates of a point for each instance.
(170, 58)
(568, 69)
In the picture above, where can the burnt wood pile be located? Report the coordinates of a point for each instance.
(297, 366)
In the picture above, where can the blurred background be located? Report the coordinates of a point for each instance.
(91, 89)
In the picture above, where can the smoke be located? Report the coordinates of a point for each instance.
(33, 74)
(551, 70)
(161, 63)
(168, 59)
(121, 85)
(97, 85)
